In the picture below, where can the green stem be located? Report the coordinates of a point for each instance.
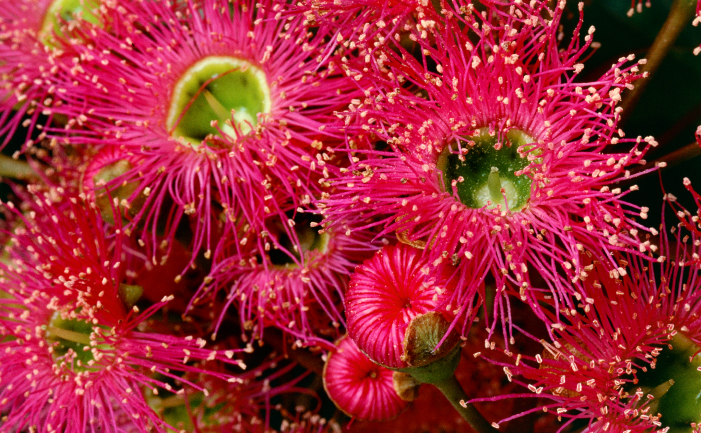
(680, 15)
(452, 390)
(15, 169)
(671, 159)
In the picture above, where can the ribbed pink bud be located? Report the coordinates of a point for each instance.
(358, 386)
(388, 291)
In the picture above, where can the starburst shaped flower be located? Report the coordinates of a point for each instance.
(295, 281)
(224, 106)
(625, 358)
(501, 164)
(30, 57)
(77, 353)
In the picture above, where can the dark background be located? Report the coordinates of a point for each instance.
(670, 106)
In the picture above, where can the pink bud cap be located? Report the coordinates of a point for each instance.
(358, 386)
(386, 293)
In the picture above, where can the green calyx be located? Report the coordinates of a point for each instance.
(485, 172)
(210, 90)
(426, 364)
(130, 294)
(430, 363)
(72, 343)
(65, 11)
(675, 382)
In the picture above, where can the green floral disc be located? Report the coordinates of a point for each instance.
(675, 382)
(481, 170)
(67, 10)
(66, 335)
(209, 91)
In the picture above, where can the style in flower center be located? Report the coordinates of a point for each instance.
(309, 240)
(70, 339)
(481, 170)
(675, 382)
(208, 93)
(66, 10)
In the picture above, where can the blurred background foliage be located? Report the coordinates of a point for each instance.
(670, 106)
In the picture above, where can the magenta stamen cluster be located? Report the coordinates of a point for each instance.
(618, 327)
(225, 179)
(265, 215)
(512, 77)
(26, 69)
(59, 379)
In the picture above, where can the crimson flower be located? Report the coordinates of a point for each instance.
(223, 106)
(504, 166)
(77, 352)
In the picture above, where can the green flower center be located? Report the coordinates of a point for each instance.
(485, 166)
(308, 237)
(208, 93)
(104, 196)
(675, 382)
(72, 343)
(66, 10)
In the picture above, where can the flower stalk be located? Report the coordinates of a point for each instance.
(681, 13)
(452, 390)
(15, 169)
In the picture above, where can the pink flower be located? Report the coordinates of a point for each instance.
(625, 358)
(386, 292)
(296, 283)
(76, 353)
(358, 386)
(503, 168)
(30, 56)
(167, 99)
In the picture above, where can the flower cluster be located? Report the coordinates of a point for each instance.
(238, 215)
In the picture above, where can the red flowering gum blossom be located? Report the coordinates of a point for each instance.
(30, 53)
(358, 386)
(386, 293)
